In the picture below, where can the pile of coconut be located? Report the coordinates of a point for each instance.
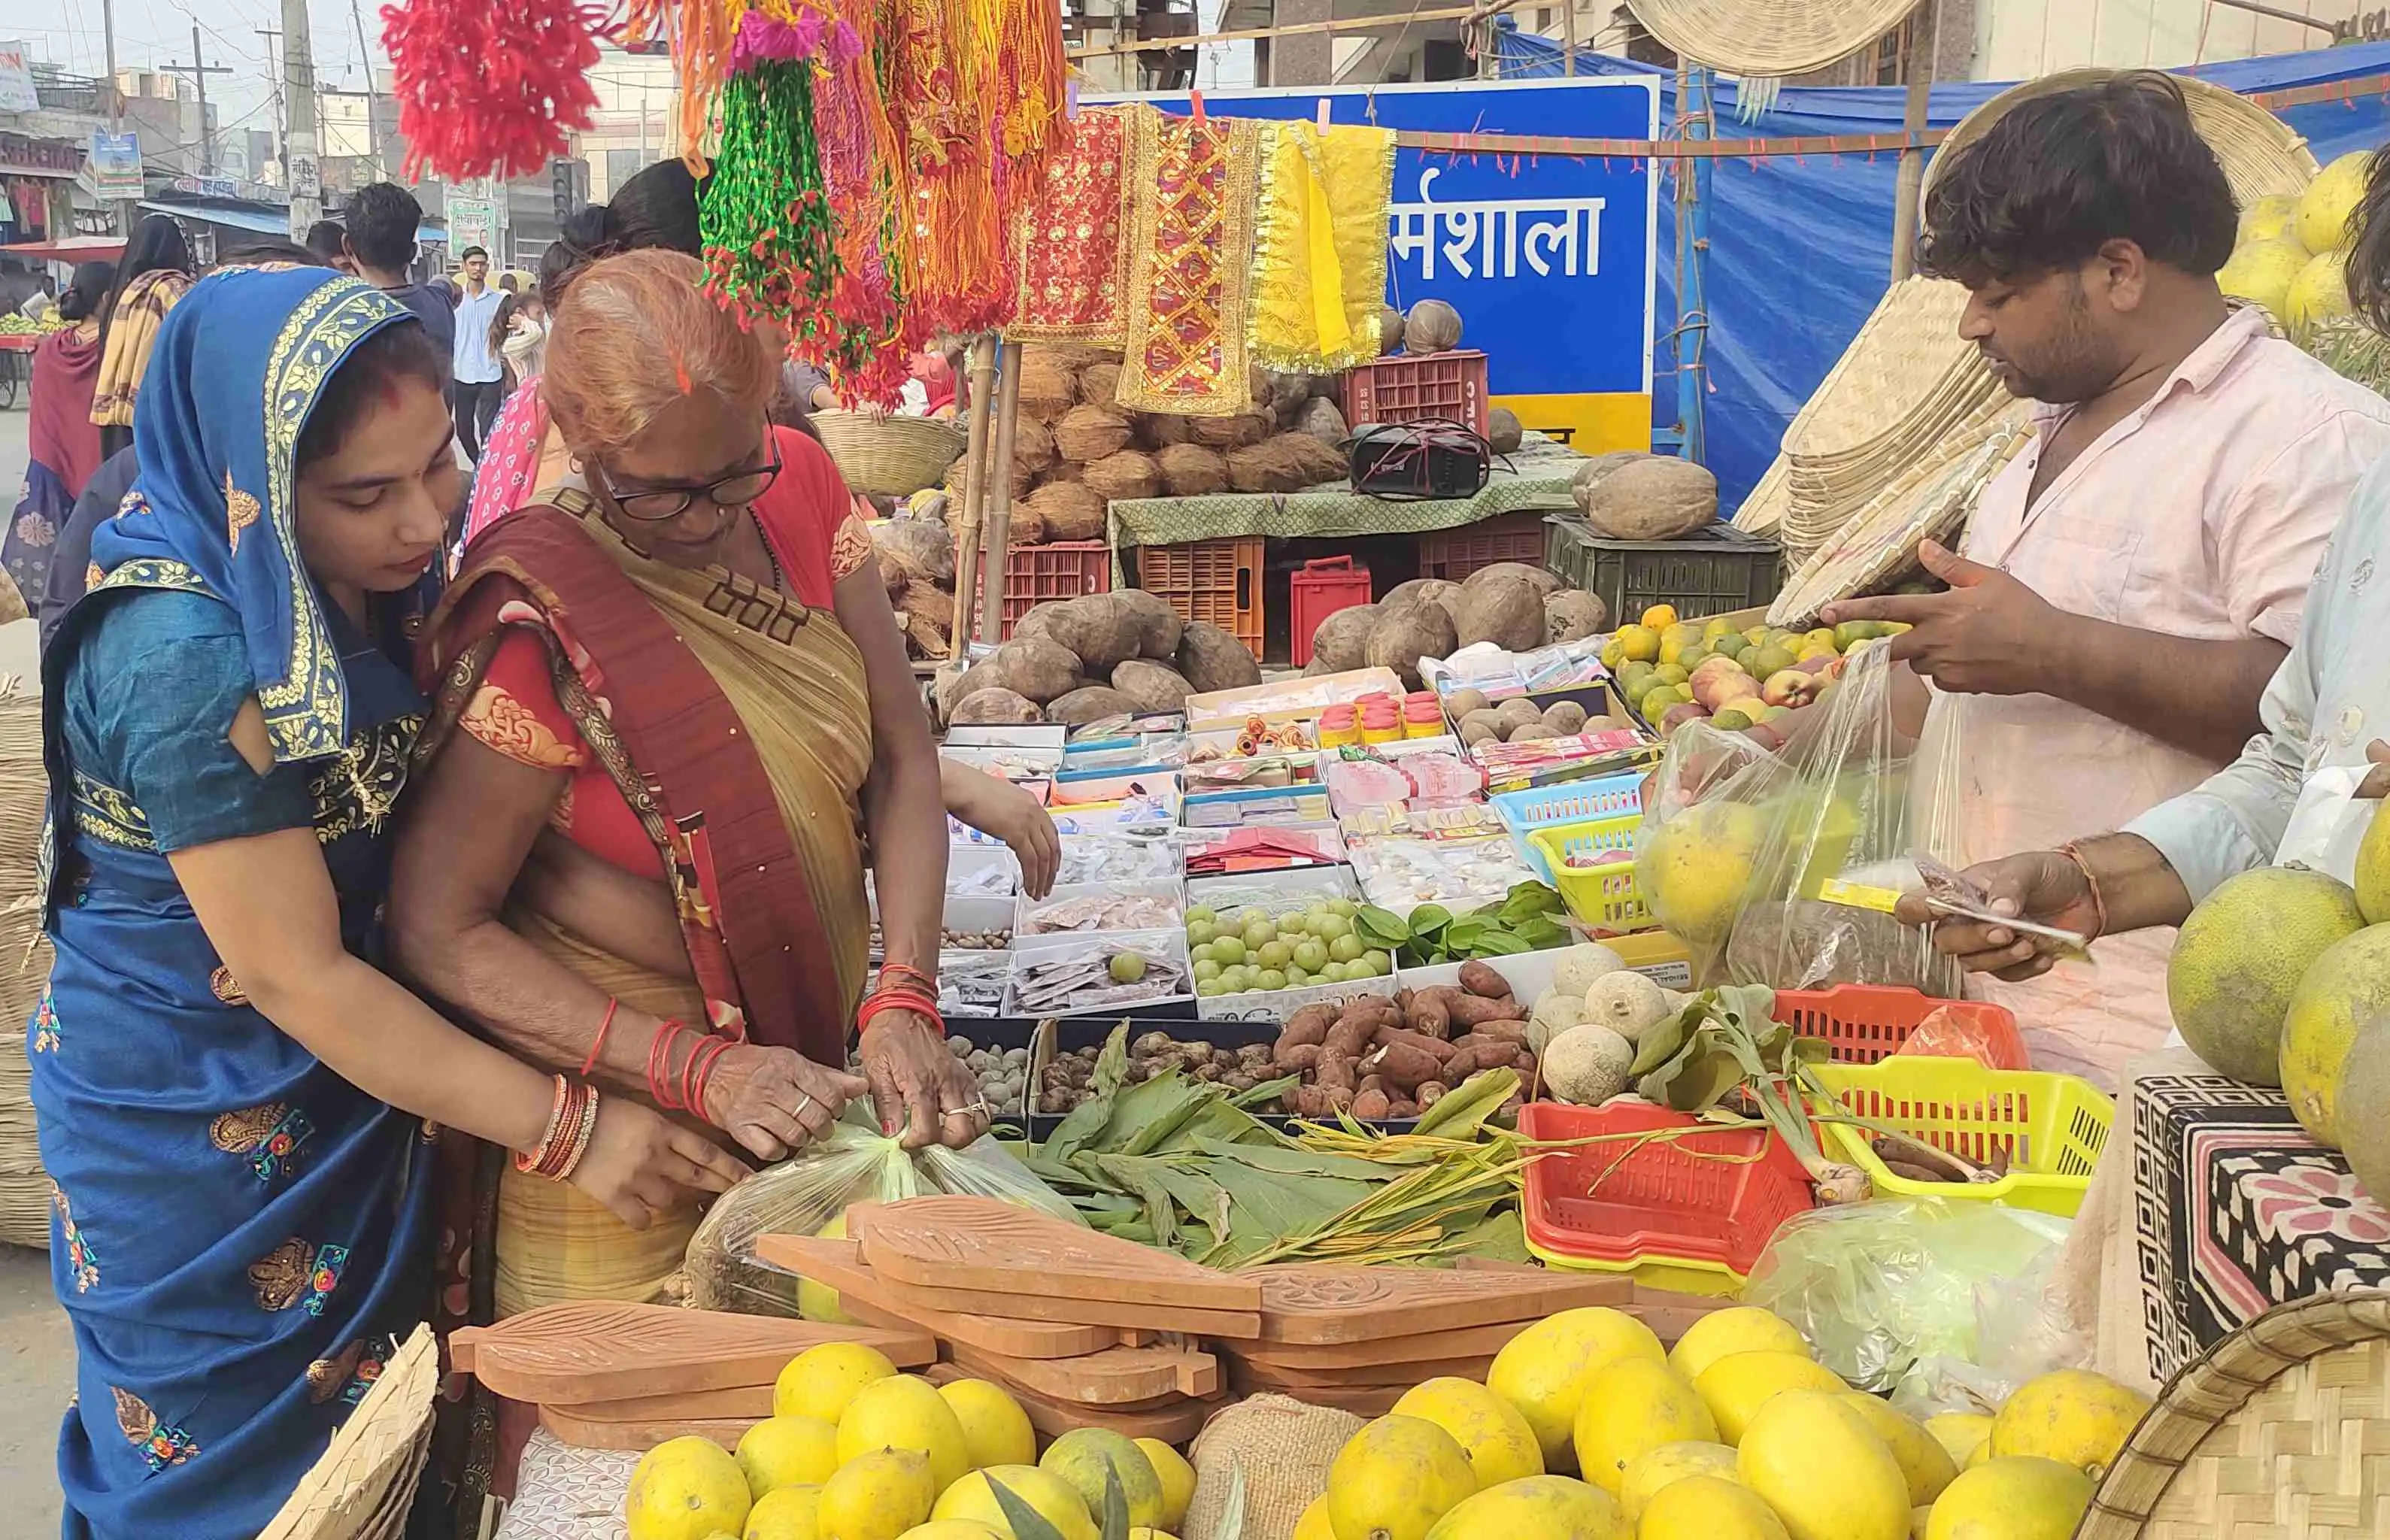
(1516, 607)
(1079, 660)
(916, 562)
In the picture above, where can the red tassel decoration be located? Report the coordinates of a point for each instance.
(490, 90)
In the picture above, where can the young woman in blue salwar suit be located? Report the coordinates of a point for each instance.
(234, 1101)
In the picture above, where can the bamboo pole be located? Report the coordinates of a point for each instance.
(983, 380)
(1917, 66)
(998, 538)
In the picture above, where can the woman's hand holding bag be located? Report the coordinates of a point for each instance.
(774, 1101)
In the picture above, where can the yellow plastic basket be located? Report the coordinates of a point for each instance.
(1678, 1275)
(1605, 897)
(2052, 1127)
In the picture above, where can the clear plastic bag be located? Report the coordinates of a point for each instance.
(1858, 805)
(1892, 1294)
(808, 1193)
(1702, 844)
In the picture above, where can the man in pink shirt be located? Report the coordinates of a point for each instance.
(2132, 579)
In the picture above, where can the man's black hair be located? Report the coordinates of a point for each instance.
(2368, 251)
(324, 239)
(2056, 177)
(469, 253)
(383, 218)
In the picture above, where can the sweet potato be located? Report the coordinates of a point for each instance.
(1391, 1035)
(1308, 1025)
(1372, 1106)
(1507, 1031)
(1404, 1063)
(1481, 980)
(1493, 1052)
(1349, 1037)
(1371, 1083)
(1429, 1017)
(1468, 1010)
(1295, 1057)
(1463, 1064)
(1321, 1101)
(1335, 1073)
(1430, 1094)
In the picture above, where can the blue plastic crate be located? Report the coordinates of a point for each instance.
(1564, 802)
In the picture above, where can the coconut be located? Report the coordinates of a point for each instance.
(1321, 462)
(1160, 430)
(1343, 640)
(1155, 686)
(1028, 526)
(1089, 703)
(1321, 420)
(1503, 433)
(1159, 627)
(1032, 443)
(1571, 615)
(1069, 510)
(927, 615)
(1087, 434)
(1431, 326)
(1658, 497)
(1100, 382)
(1047, 388)
(1231, 432)
(1101, 631)
(1508, 612)
(1405, 634)
(1538, 578)
(1125, 474)
(1390, 330)
(1021, 478)
(996, 707)
(1210, 659)
(1191, 471)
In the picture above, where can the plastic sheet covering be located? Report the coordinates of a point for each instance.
(808, 1194)
(1800, 248)
(1917, 1298)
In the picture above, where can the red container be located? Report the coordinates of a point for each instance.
(1415, 387)
(1323, 587)
(1454, 554)
(1862, 1024)
(1620, 1201)
(1219, 580)
(1066, 569)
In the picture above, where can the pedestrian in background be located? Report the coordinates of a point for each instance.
(153, 273)
(479, 374)
(379, 245)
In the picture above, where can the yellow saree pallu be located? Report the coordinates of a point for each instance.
(798, 718)
(1319, 246)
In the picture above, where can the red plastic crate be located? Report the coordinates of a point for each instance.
(1668, 1199)
(1410, 387)
(1862, 1024)
(1219, 580)
(1323, 587)
(1454, 554)
(1066, 569)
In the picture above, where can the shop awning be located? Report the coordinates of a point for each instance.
(71, 249)
(260, 221)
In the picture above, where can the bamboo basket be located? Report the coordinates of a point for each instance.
(2260, 153)
(364, 1483)
(1769, 37)
(24, 963)
(889, 456)
(1763, 511)
(2280, 1431)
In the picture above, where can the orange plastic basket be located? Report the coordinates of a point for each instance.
(1863, 1023)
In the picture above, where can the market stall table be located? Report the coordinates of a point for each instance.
(1535, 477)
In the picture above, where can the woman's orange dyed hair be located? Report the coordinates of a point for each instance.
(634, 334)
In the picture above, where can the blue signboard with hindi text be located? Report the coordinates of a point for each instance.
(1550, 260)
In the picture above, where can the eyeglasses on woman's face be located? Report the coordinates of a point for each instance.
(662, 503)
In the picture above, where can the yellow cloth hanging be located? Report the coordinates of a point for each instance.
(1319, 268)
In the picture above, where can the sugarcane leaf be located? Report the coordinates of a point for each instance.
(1266, 1092)
(1026, 1522)
(1462, 1112)
(1086, 1122)
(1115, 1504)
(1232, 1507)
(1297, 1163)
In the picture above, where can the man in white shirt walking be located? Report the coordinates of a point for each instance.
(480, 375)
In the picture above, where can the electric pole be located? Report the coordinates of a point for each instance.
(199, 70)
(273, 37)
(115, 102)
(373, 119)
(302, 171)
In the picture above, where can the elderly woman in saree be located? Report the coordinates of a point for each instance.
(234, 1100)
(672, 723)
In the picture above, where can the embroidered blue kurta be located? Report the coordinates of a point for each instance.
(239, 1232)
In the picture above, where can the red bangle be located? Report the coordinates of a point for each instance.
(898, 999)
(659, 1049)
(710, 1052)
(688, 1076)
(604, 1027)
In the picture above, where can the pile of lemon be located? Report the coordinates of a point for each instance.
(855, 1451)
(1739, 1433)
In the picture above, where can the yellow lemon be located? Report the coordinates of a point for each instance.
(1081, 1457)
(950, 1529)
(785, 1513)
(1052, 1499)
(1542, 1371)
(2268, 218)
(788, 1451)
(995, 1430)
(1654, 1470)
(1395, 1479)
(1314, 1523)
(1982, 1455)
(1924, 1464)
(877, 1495)
(821, 1381)
(1708, 1508)
(818, 1302)
(1178, 1480)
(1632, 1406)
(1736, 1386)
(1739, 1328)
(1960, 1433)
(1533, 1506)
(2022, 1498)
(1920, 1519)
(1809, 1456)
(1660, 617)
(686, 1489)
(905, 1411)
(1500, 1444)
(2072, 1415)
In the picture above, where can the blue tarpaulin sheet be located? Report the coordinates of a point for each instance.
(1800, 249)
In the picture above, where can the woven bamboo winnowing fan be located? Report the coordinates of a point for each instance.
(2260, 153)
(1769, 37)
(2277, 1433)
(365, 1483)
